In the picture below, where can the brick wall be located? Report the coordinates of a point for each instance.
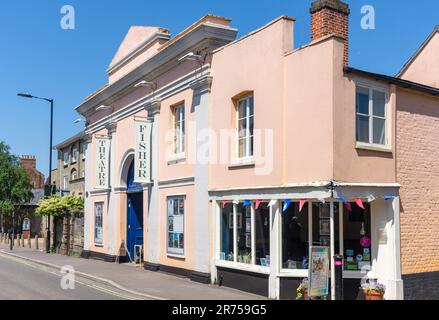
(418, 173)
(331, 17)
(29, 163)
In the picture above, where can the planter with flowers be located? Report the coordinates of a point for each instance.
(302, 290)
(373, 290)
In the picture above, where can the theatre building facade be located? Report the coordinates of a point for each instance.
(225, 160)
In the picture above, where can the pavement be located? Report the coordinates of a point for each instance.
(120, 280)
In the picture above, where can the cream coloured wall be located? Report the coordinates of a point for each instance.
(425, 67)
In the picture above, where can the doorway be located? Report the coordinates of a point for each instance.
(134, 214)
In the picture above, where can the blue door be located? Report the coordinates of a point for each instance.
(134, 213)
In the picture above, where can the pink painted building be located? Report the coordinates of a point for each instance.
(224, 160)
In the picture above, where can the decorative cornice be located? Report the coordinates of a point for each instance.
(111, 127)
(153, 107)
(202, 85)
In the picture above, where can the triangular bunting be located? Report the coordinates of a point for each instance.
(272, 203)
(301, 204)
(257, 204)
(359, 203)
(287, 204)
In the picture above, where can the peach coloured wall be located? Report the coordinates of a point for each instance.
(425, 68)
(308, 113)
(418, 174)
(188, 262)
(253, 63)
(184, 169)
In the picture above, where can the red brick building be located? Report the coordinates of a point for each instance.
(29, 163)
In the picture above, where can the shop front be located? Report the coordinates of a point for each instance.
(263, 237)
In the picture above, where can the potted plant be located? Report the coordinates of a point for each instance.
(302, 290)
(373, 290)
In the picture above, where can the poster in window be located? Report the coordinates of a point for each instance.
(325, 227)
(181, 241)
(170, 240)
(170, 224)
(175, 240)
(239, 218)
(318, 273)
(178, 224)
(248, 240)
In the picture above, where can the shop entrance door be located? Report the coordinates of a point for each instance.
(134, 214)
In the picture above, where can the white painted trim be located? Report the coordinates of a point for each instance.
(242, 267)
(332, 237)
(373, 147)
(296, 273)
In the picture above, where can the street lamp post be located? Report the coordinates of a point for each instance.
(27, 95)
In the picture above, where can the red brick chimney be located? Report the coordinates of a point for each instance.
(29, 163)
(331, 17)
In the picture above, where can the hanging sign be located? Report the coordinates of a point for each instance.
(102, 162)
(318, 273)
(142, 159)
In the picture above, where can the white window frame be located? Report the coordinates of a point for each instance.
(75, 153)
(177, 252)
(65, 183)
(98, 241)
(179, 123)
(248, 157)
(235, 264)
(65, 156)
(371, 145)
(74, 175)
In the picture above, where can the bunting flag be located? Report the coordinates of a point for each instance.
(287, 204)
(389, 198)
(347, 204)
(257, 204)
(225, 203)
(247, 203)
(359, 203)
(272, 203)
(371, 198)
(322, 200)
(301, 204)
(235, 201)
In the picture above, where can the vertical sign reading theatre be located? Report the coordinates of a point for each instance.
(142, 159)
(103, 162)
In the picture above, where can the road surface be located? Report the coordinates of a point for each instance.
(20, 281)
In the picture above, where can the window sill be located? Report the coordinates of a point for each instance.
(241, 164)
(73, 162)
(176, 158)
(176, 256)
(99, 245)
(242, 266)
(372, 147)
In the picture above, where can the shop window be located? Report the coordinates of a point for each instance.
(262, 230)
(245, 116)
(98, 215)
(176, 225)
(321, 225)
(244, 234)
(250, 236)
(371, 116)
(179, 129)
(227, 253)
(295, 237)
(357, 238)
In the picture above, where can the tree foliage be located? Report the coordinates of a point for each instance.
(59, 206)
(15, 186)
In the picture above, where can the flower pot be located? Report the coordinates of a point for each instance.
(373, 295)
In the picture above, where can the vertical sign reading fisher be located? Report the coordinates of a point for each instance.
(102, 162)
(142, 159)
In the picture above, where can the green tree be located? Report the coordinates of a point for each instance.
(15, 185)
(59, 206)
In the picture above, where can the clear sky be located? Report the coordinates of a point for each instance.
(39, 57)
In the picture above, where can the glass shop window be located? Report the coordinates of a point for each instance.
(244, 238)
(226, 253)
(357, 238)
(262, 230)
(295, 243)
(176, 225)
(321, 225)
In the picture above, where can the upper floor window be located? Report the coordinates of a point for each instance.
(65, 157)
(179, 129)
(74, 154)
(371, 116)
(84, 151)
(74, 175)
(245, 115)
(65, 184)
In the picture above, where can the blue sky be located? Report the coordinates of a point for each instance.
(39, 57)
